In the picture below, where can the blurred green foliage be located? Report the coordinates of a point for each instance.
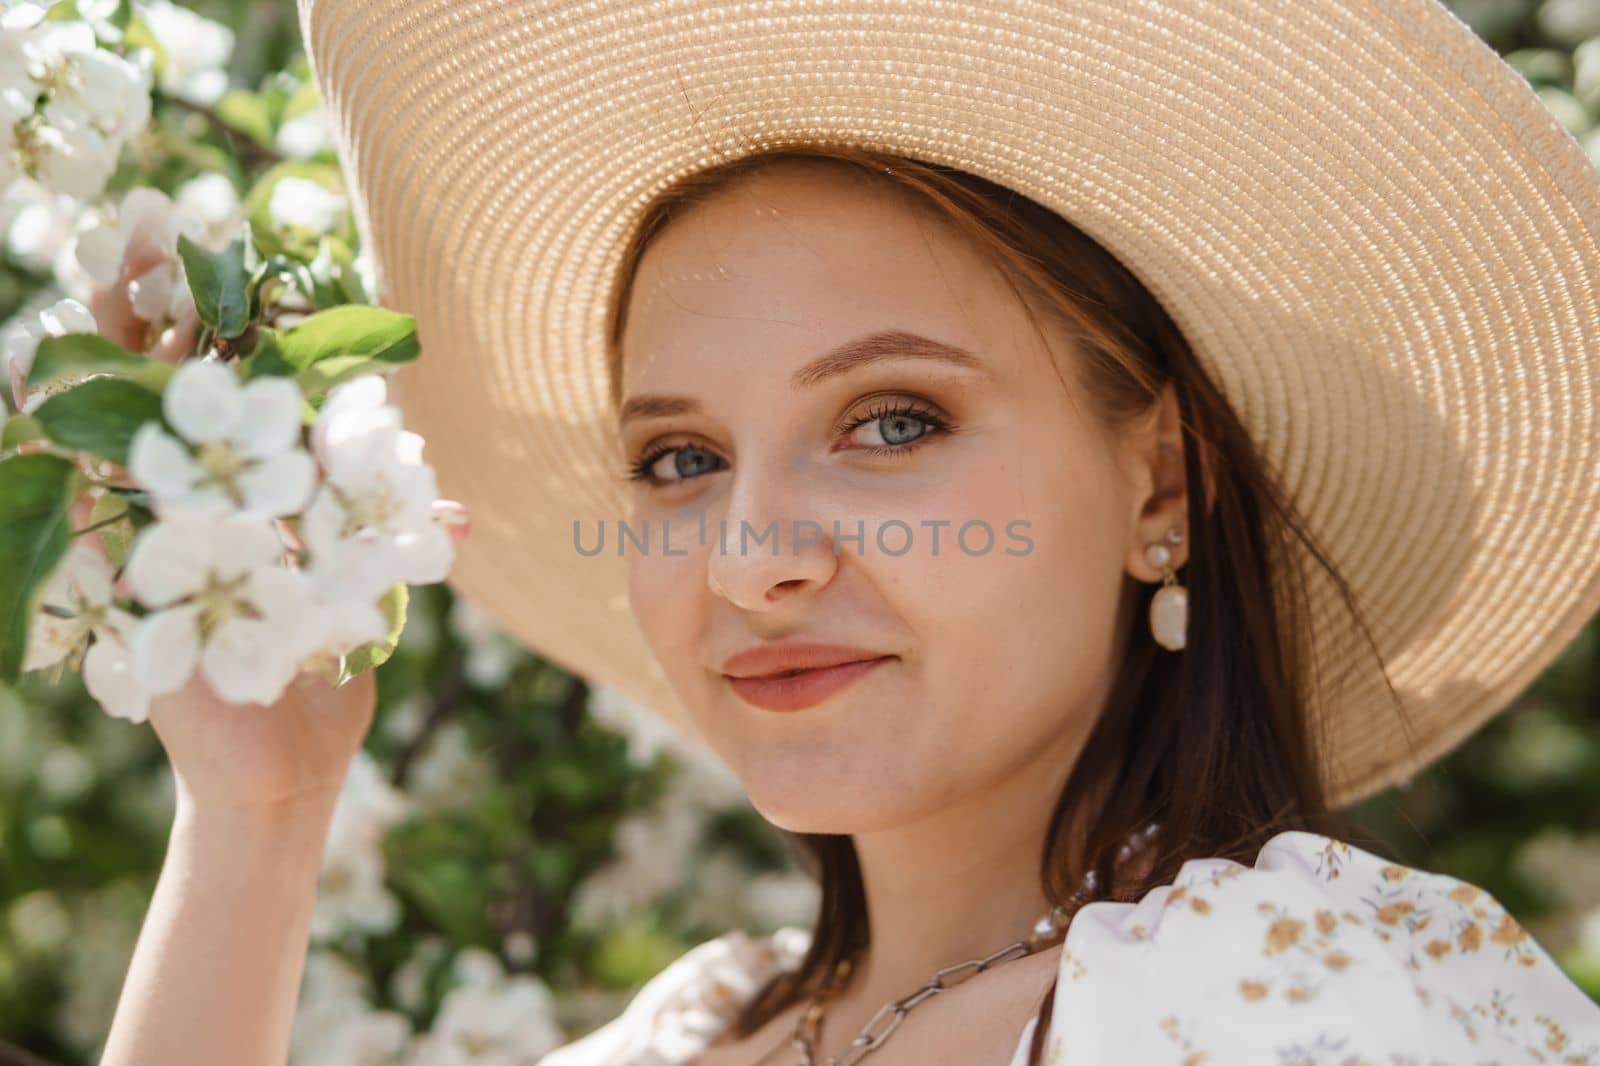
(525, 790)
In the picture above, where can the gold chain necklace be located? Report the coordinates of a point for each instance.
(1049, 929)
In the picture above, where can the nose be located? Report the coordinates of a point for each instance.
(767, 550)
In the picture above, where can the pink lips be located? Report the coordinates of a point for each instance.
(764, 675)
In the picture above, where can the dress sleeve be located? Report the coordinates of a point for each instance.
(1320, 954)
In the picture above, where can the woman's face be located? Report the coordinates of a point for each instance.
(1002, 642)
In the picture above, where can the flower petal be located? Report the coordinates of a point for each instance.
(203, 400)
(161, 463)
(169, 559)
(242, 542)
(90, 573)
(108, 675)
(99, 252)
(247, 661)
(280, 485)
(322, 522)
(271, 421)
(50, 639)
(427, 553)
(350, 623)
(151, 292)
(165, 647)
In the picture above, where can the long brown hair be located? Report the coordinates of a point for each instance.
(1212, 743)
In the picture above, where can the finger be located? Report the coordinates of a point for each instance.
(177, 340)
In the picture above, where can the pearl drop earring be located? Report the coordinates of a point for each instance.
(1169, 607)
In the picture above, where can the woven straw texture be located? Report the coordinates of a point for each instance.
(1380, 244)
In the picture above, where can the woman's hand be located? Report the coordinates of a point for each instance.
(272, 760)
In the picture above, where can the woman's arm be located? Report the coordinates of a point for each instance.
(216, 971)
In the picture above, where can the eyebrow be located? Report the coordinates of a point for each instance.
(881, 345)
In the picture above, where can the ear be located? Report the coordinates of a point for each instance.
(1161, 500)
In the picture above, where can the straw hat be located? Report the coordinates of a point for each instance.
(1380, 244)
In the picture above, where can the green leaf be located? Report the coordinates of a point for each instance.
(393, 605)
(79, 354)
(267, 359)
(117, 536)
(258, 201)
(318, 379)
(36, 493)
(373, 333)
(217, 280)
(99, 416)
(20, 428)
(247, 112)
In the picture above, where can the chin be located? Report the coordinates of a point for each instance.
(835, 804)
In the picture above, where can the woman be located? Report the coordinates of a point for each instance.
(804, 364)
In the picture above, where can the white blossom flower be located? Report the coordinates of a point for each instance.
(372, 523)
(197, 49)
(223, 603)
(332, 992)
(350, 892)
(306, 203)
(114, 92)
(77, 603)
(654, 852)
(94, 99)
(16, 15)
(702, 776)
(491, 653)
(450, 772)
(408, 986)
(146, 219)
(245, 439)
(305, 134)
(212, 199)
(70, 154)
(372, 1038)
(491, 1019)
(21, 343)
(40, 230)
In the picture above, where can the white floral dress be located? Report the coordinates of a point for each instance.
(1318, 954)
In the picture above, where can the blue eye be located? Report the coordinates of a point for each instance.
(688, 460)
(898, 428)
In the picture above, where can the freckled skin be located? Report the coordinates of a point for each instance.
(945, 763)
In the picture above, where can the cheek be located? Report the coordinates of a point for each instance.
(661, 593)
(1027, 626)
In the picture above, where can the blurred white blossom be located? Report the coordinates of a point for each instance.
(450, 772)
(305, 203)
(197, 51)
(490, 1018)
(212, 199)
(305, 134)
(654, 851)
(21, 338)
(333, 991)
(148, 221)
(490, 653)
(41, 227)
(350, 893)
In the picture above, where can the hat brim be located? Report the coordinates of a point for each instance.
(1380, 244)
